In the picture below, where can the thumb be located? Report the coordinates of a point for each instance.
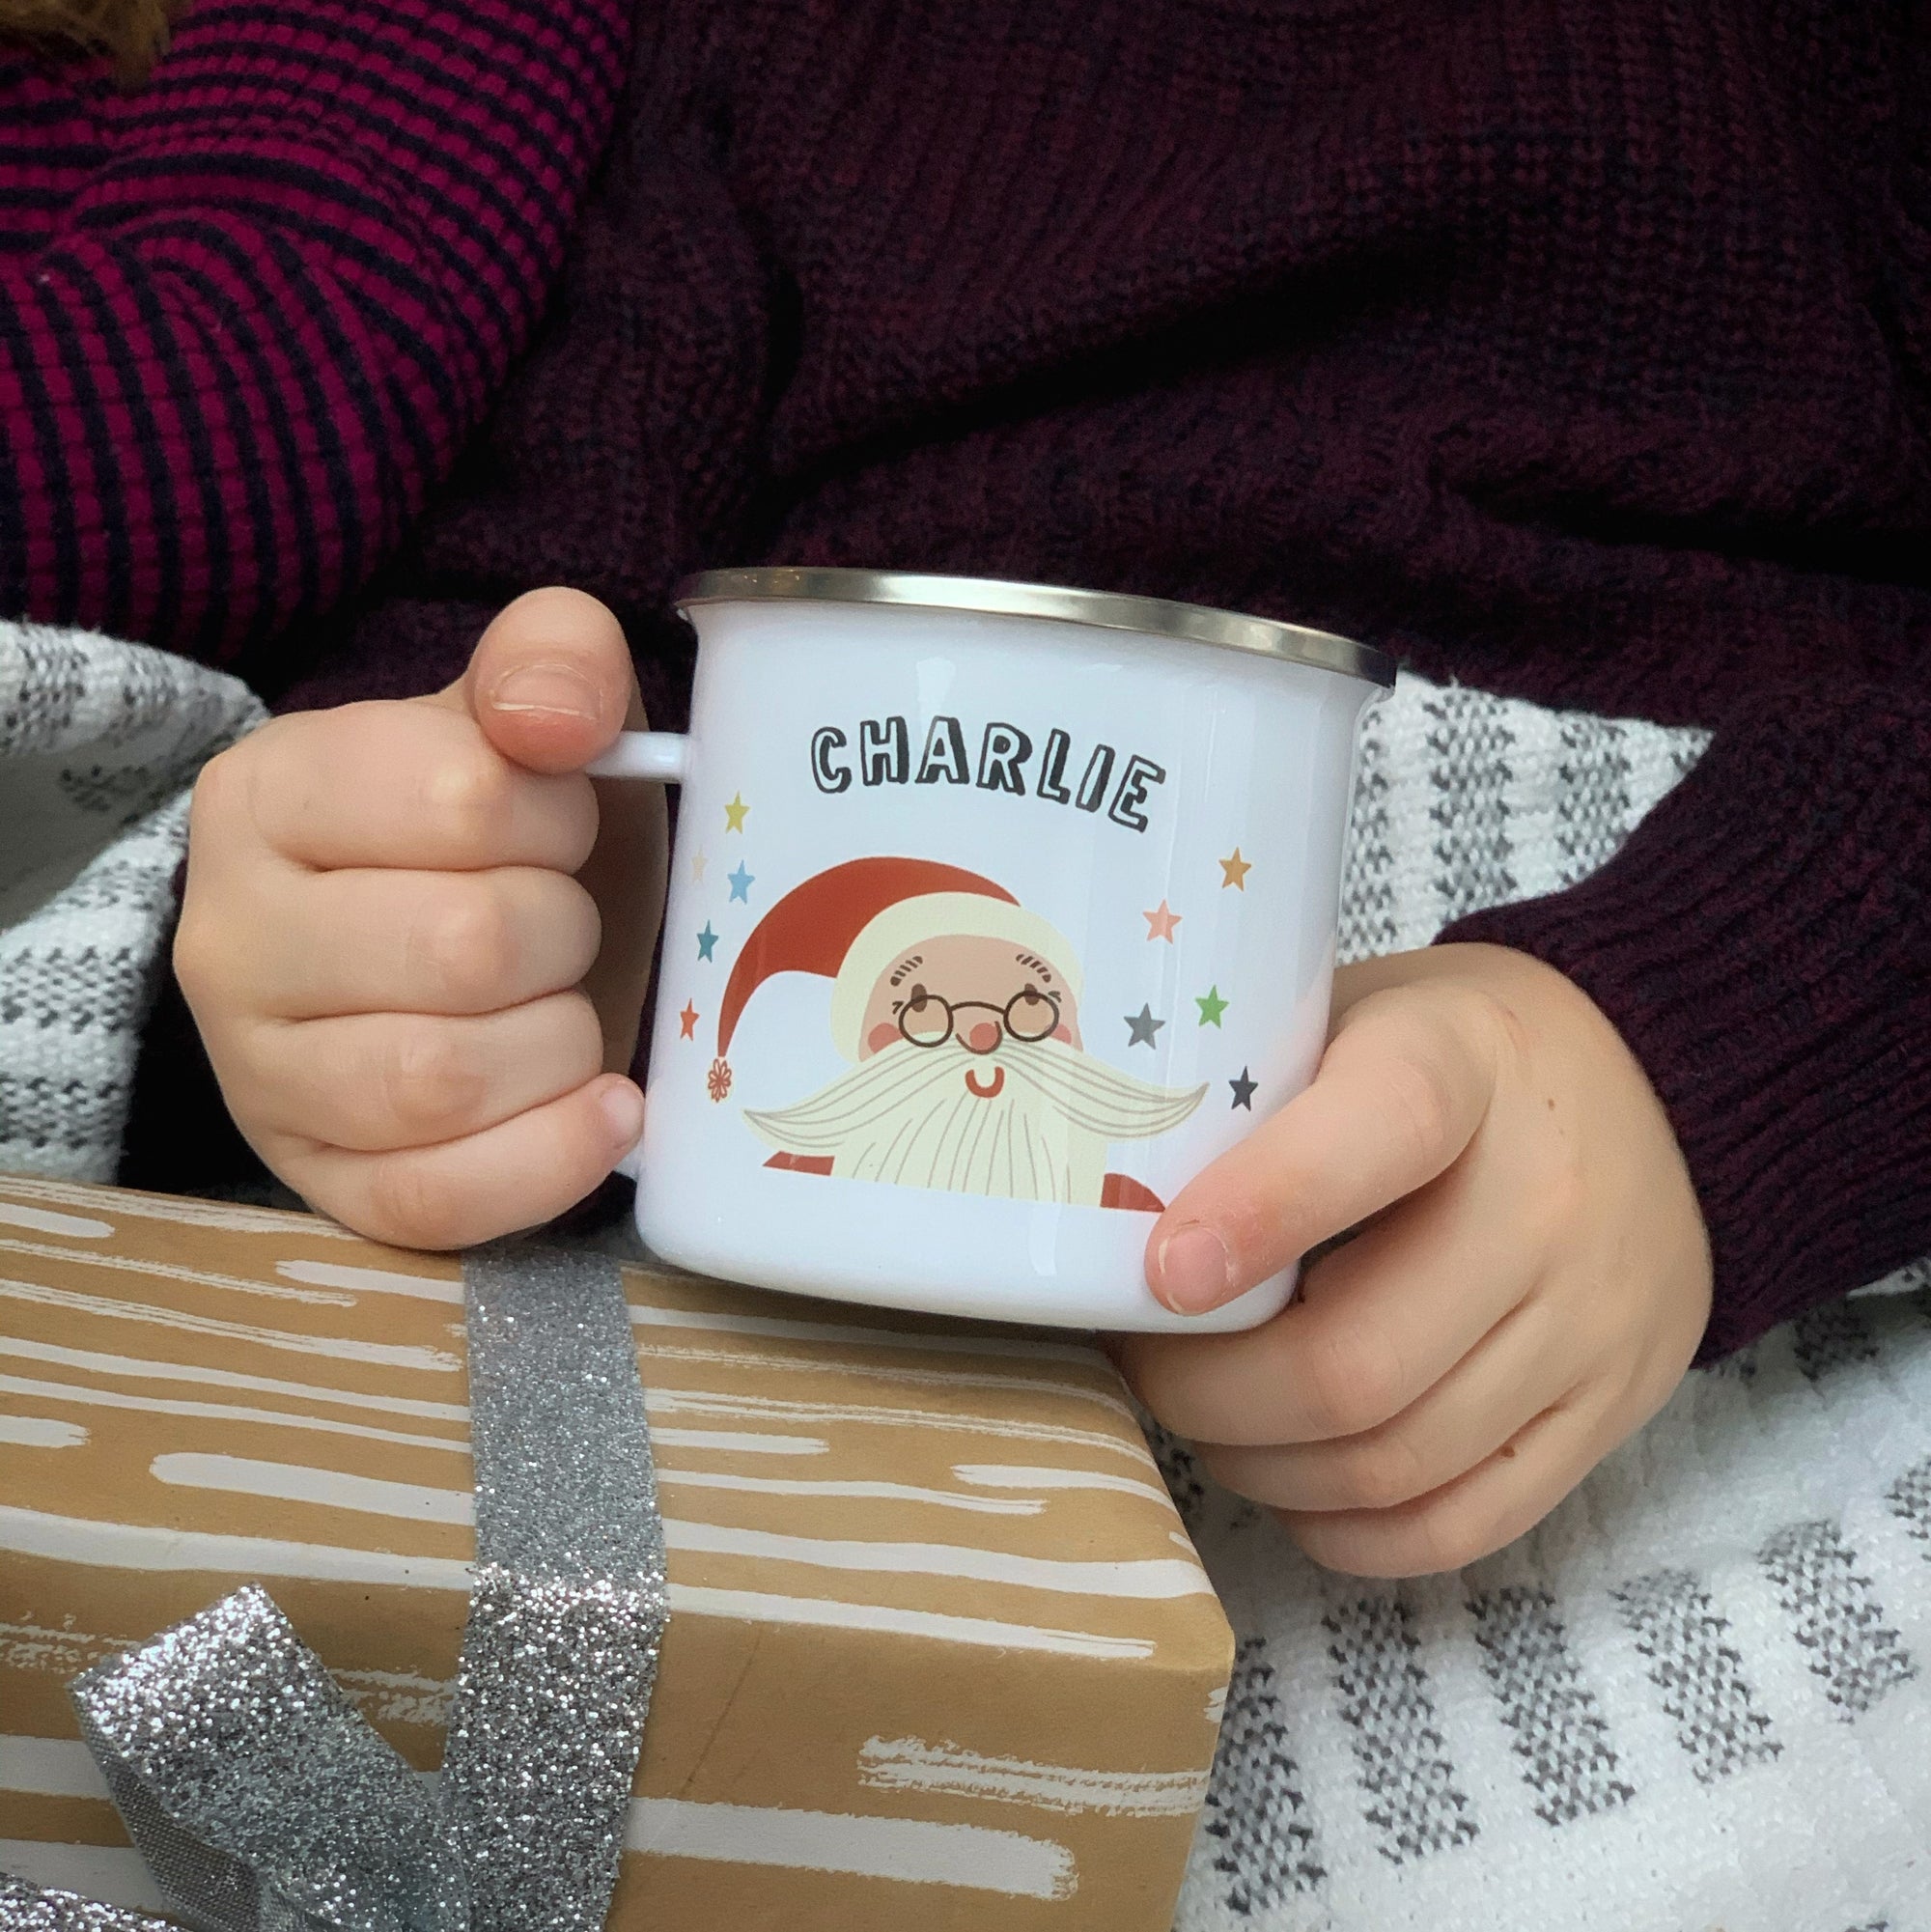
(550, 682)
(1401, 1091)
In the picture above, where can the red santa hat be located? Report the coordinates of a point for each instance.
(853, 922)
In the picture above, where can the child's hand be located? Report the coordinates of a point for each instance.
(417, 939)
(1531, 1296)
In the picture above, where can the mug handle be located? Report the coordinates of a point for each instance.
(665, 757)
(662, 755)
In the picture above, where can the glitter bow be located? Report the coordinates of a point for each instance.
(261, 1799)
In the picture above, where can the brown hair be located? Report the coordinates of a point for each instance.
(134, 33)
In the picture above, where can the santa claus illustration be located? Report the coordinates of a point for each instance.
(959, 1011)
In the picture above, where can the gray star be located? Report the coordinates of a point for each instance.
(1143, 1027)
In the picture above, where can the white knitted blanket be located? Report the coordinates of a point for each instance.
(1695, 1698)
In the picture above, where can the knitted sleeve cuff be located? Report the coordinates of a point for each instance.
(1763, 943)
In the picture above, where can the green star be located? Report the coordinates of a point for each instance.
(1210, 1007)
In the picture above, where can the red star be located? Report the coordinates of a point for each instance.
(1160, 924)
(687, 1019)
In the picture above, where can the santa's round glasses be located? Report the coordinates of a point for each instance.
(927, 1020)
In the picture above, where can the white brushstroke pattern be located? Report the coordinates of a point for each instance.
(739, 1441)
(766, 1408)
(112, 1874)
(1014, 1475)
(417, 1502)
(38, 1432)
(895, 1373)
(883, 1492)
(910, 1764)
(1135, 1578)
(145, 1368)
(181, 1211)
(1217, 1705)
(372, 1281)
(382, 1355)
(126, 1545)
(906, 1850)
(170, 1271)
(226, 1413)
(132, 1546)
(44, 1220)
(49, 1768)
(331, 1489)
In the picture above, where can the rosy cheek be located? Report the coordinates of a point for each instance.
(1063, 1032)
(880, 1037)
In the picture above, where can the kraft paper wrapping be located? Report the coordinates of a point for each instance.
(940, 1649)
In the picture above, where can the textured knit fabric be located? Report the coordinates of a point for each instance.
(1695, 1696)
(1580, 351)
(98, 743)
(249, 311)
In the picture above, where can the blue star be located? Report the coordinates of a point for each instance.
(706, 940)
(740, 883)
(1243, 1091)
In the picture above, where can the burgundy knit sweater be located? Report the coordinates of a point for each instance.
(1576, 349)
(248, 312)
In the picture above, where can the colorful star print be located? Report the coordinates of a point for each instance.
(1160, 924)
(1142, 1027)
(1243, 1092)
(706, 942)
(687, 1021)
(740, 883)
(1234, 871)
(697, 864)
(1211, 1006)
(734, 813)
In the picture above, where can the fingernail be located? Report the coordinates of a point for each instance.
(622, 1106)
(560, 690)
(1196, 1270)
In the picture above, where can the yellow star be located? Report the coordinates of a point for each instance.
(734, 811)
(697, 864)
(1234, 871)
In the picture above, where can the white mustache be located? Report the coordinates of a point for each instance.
(1090, 1094)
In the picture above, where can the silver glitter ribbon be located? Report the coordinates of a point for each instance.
(263, 1802)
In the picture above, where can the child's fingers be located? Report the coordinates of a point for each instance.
(514, 1175)
(1377, 1324)
(1476, 1514)
(385, 941)
(1401, 1090)
(551, 681)
(1507, 1380)
(373, 1082)
(399, 784)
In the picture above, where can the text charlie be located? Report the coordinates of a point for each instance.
(882, 755)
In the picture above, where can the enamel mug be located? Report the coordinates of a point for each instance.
(997, 912)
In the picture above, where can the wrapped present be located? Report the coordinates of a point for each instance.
(939, 1647)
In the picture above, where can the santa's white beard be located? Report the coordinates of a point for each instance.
(907, 1116)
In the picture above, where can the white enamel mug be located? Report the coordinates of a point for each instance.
(997, 912)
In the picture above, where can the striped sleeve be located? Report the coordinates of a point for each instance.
(249, 313)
